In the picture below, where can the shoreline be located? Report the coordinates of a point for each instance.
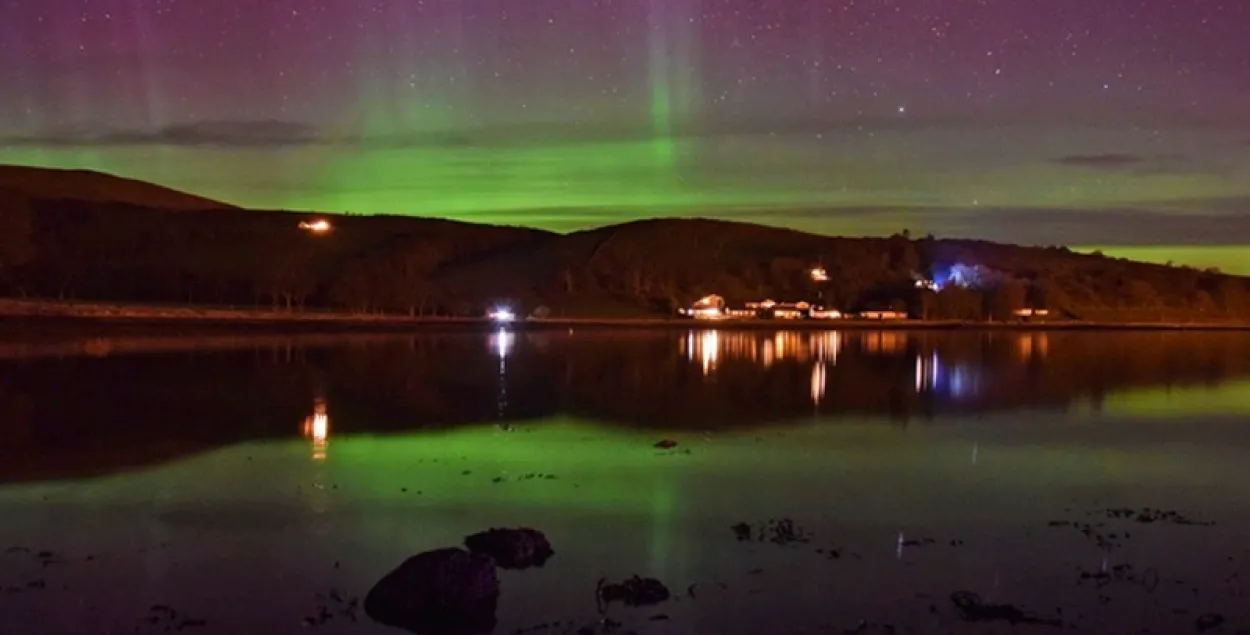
(25, 317)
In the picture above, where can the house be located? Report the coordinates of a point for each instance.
(883, 315)
(787, 312)
(1031, 313)
(821, 313)
(710, 307)
(791, 310)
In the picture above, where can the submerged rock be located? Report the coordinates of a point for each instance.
(636, 591)
(973, 609)
(1208, 621)
(440, 592)
(512, 548)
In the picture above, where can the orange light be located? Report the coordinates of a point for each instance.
(317, 428)
(319, 226)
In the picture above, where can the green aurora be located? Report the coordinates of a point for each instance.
(1031, 184)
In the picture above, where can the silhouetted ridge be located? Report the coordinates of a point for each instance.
(98, 187)
(56, 245)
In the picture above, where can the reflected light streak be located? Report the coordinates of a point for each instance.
(828, 346)
(819, 379)
(928, 371)
(1033, 345)
(711, 348)
(710, 342)
(317, 428)
(884, 342)
(501, 343)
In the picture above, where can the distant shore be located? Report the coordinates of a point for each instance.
(43, 316)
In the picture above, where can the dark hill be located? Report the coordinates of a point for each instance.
(657, 266)
(127, 253)
(52, 245)
(97, 187)
(652, 266)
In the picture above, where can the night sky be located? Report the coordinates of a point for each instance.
(1081, 122)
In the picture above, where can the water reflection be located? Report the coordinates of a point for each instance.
(657, 378)
(317, 429)
(240, 539)
(708, 347)
(251, 537)
(820, 350)
(818, 382)
(501, 343)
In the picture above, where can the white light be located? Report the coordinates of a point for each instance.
(502, 315)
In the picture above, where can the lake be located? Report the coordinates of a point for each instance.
(822, 482)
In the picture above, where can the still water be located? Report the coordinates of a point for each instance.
(260, 484)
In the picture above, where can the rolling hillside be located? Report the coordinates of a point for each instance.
(58, 246)
(97, 187)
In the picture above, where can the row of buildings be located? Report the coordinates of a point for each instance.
(714, 307)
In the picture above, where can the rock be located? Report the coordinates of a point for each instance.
(440, 592)
(512, 548)
(972, 609)
(636, 591)
(666, 444)
(1208, 621)
(777, 531)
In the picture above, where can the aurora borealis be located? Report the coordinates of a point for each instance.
(1116, 122)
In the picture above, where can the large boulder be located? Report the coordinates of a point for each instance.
(440, 592)
(512, 548)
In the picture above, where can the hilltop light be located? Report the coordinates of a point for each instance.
(819, 274)
(319, 226)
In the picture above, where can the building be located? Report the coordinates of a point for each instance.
(711, 307)
(1031, 313)
(790, 311)
(714, 307)
(821, 313)
(883, 315)
(928, 285)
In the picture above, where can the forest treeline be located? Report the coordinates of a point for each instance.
(73, 249)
